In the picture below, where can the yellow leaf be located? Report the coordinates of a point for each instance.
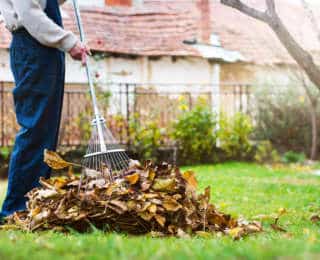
(147, 216)
(236, 233)
(35, 211)
(131, 204)
(204, 234)
(152, 208)
(190, 178)
(160, 219)
(152, 175)
(164, 185)
(282, 211)
(133, 178)
(110, 189)
(60, 182)
(171, 205)
(54, 161)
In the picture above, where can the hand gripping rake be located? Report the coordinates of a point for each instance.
(103, 152)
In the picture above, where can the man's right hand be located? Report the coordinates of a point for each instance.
(80, 52)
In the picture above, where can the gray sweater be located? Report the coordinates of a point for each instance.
(30, 15)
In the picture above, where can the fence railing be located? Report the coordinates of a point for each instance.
(125, 102)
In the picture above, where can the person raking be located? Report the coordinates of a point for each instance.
(37, 55)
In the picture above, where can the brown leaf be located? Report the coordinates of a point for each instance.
(54, 161)
(132, 204)
(133, 178)
(147, 216)
(160, 219)
(60, 182)
(171, 205)
(315, 218)
(162, 201)
(120, 204)
(152, 208)
(276, 227)
(189, 177)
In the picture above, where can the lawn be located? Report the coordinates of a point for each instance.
(237, 188)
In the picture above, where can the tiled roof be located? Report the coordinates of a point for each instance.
(152, 29)
(159, 28)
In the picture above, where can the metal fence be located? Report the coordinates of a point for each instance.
(123, 103)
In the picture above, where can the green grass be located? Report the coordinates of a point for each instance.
(237, 188)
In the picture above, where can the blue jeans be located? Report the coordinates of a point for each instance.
(38, 96)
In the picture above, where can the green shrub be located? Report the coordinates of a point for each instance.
(145, 139)
(266, 154)
(194, 132)
(234, 136)
(5, 153)
(293, 157)
(282, 116)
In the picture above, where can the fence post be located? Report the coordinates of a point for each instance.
(241, 96)
(190, 101)
(128, 114)
(216, 97)
(2, 112)
(248, 100)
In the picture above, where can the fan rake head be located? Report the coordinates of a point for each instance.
(104, 154)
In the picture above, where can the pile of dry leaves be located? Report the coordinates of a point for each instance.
(148, 199)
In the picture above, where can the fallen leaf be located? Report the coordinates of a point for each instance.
(165, 185)
(189, 177)
(315, 218)
(160, 219)
(236, 233)
(133, 178)
(54, 161)
(162, 200)
(276, 227)
(152, 208)
(171, 205)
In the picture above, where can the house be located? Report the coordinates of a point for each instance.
(182, 45)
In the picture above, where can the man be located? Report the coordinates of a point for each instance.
(38, 65)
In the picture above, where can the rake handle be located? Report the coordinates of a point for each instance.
(90, 80)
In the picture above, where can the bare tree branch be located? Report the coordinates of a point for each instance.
(270, 17)
(271, 7)
(254, 13)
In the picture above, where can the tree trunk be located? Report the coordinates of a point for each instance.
(314, 132)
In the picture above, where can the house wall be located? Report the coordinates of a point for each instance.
(172, 75)
(257, 74)
(164, 70)
(178, 73)
(233, 75)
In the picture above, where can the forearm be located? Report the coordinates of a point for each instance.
(41, 27)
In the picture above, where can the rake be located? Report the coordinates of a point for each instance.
(104, 154)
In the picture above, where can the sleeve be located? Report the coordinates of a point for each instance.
(41, 27)
(61, 2)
